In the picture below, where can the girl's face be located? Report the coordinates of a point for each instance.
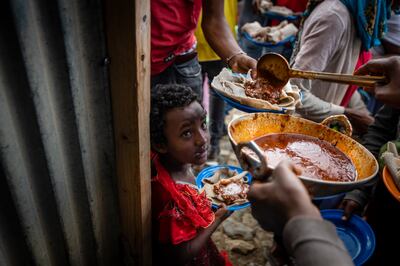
(187, 134)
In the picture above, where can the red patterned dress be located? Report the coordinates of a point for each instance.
(178, 213)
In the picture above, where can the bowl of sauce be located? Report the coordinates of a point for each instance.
(316, 158)
(331, 162)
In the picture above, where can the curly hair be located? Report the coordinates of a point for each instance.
(165, 97)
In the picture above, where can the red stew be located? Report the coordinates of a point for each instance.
(262, 89)
(317, 158)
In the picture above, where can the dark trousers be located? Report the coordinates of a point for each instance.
(187, 73)
(216, 104)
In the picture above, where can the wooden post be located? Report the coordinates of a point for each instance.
(128, 41)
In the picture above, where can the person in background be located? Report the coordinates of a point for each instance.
(211, 65)
(358, 199)
(373, 200)
(390, 46)
(330, 40)
(391, 40)
(173, 44)
(182, 219)
(248, 13)
(283, 206)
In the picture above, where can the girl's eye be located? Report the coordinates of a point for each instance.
(186, 134)
(204, 125)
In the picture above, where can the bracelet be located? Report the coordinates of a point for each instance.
(232, 56)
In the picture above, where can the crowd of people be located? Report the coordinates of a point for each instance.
(335, 36)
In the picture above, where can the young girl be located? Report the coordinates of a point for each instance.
(183, 220)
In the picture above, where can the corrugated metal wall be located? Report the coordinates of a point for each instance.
(57, 189)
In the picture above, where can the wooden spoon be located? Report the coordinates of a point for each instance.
(275, 68)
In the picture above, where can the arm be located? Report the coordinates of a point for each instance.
(185, 251)
(314, 242)
(387, 93)
(219, 36)
(284, 197)
(284, 207)
(313, 107)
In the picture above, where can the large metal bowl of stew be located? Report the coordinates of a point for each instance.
(346, 164)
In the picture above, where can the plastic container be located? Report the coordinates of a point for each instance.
(356, 234)
(209, 171)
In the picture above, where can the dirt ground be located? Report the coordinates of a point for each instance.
(240, 235)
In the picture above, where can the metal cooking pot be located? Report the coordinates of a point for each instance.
(251, 126)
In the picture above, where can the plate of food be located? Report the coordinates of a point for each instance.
(355, 233)
(248, 95)
(225, 184)
(270, 36)
(246, 108)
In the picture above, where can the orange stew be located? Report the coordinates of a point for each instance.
(317, 158)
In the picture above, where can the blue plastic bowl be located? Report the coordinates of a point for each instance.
(247, 109)
(209, 171)
(356, 234)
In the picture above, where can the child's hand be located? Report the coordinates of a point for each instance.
(222, 213)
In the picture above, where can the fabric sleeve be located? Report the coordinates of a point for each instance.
(330, 29)
(314, 242)
(314, 108)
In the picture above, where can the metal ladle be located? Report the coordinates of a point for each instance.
(275, 68)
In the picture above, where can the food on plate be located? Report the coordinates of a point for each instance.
(234, 87)
(262, 89)
(316, 158)
(226, 186)
(272, 34)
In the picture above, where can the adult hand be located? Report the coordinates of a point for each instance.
(349, 207)
(390, 67)
(284, 197)
(360, 120)
(243, 63)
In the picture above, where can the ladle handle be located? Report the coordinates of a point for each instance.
(362, 81)
(258, 165)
